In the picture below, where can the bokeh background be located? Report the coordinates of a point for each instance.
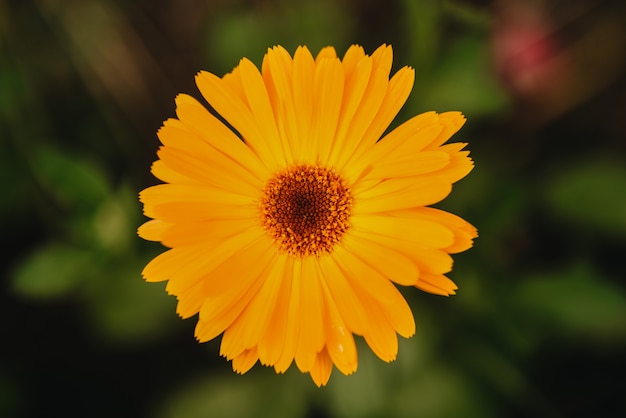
(538, 327)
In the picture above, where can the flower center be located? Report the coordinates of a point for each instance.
(306, 209)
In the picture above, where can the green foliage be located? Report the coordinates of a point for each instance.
(53, 271)
(237, 397)
(73, 182)
(237, 32)
(591, 194)
(574, 300)
(462, 80)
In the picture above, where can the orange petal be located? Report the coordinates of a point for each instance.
(322, 368)
(348, 305)
(293, 329)
(400, 193)
(381, 336)
(437, 284)
(392, 264)
(253, 322)
(196, 118)
(209, 256)
(328, 97)
(225, 299)
(406, 231)
(273, 339)
(303, 79)
(244, 361)
(339, 340)
(312, 337)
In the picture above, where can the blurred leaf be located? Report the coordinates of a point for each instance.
(115, 221)
(424, 23)
(574, 300)
(74, 182)
(126, 309)
(52, 271)
(469, 14)
(238, 397)
(249, 32)
(414, 385)
(436, 392)
(373, 377)
(592, 194)
(11, 90)
(464, 81)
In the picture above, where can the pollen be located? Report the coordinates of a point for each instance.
(306, 209)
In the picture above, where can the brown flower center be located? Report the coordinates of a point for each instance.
(306, 209)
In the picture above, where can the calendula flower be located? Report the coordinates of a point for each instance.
(290, 221)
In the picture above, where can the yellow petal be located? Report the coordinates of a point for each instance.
(381, 336)
(396, 95)
(451, 123)
(392, 264)
(362, 275)
(232, 82)
(407, 231)
(166, 264)
(339, 340)
(431, 260)
(399, 193)
(244, 361)
(232, 108)
(277, 73)
(367, 281)
(328, 95)
(351, 58)
(426, 260)
(153, 230)
(197, 119)
(460, 164)
(383, 58)
(348, 305)
(166, 193)
(322, 368)
(409, 165)
(357, 76)
(359, 124)
(327, 52)
(250, 326)
(201, 211)
(203, 136)
(225, 300)
(208, 257)
(168, 175)
(385, 316)
(273, 339)
(190, 301)
(303, 76)
(192, 203)
(260, 106)
(292, 331)
(437, 284)
(463, 231)
(215, 171)
(187, 234)
(312, 337)
(407, 140)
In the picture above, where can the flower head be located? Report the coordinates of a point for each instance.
(289, 225)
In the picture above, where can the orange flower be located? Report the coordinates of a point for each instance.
(289, 225)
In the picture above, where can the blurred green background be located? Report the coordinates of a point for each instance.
(538, 327)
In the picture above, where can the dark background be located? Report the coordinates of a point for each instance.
(538, 327)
